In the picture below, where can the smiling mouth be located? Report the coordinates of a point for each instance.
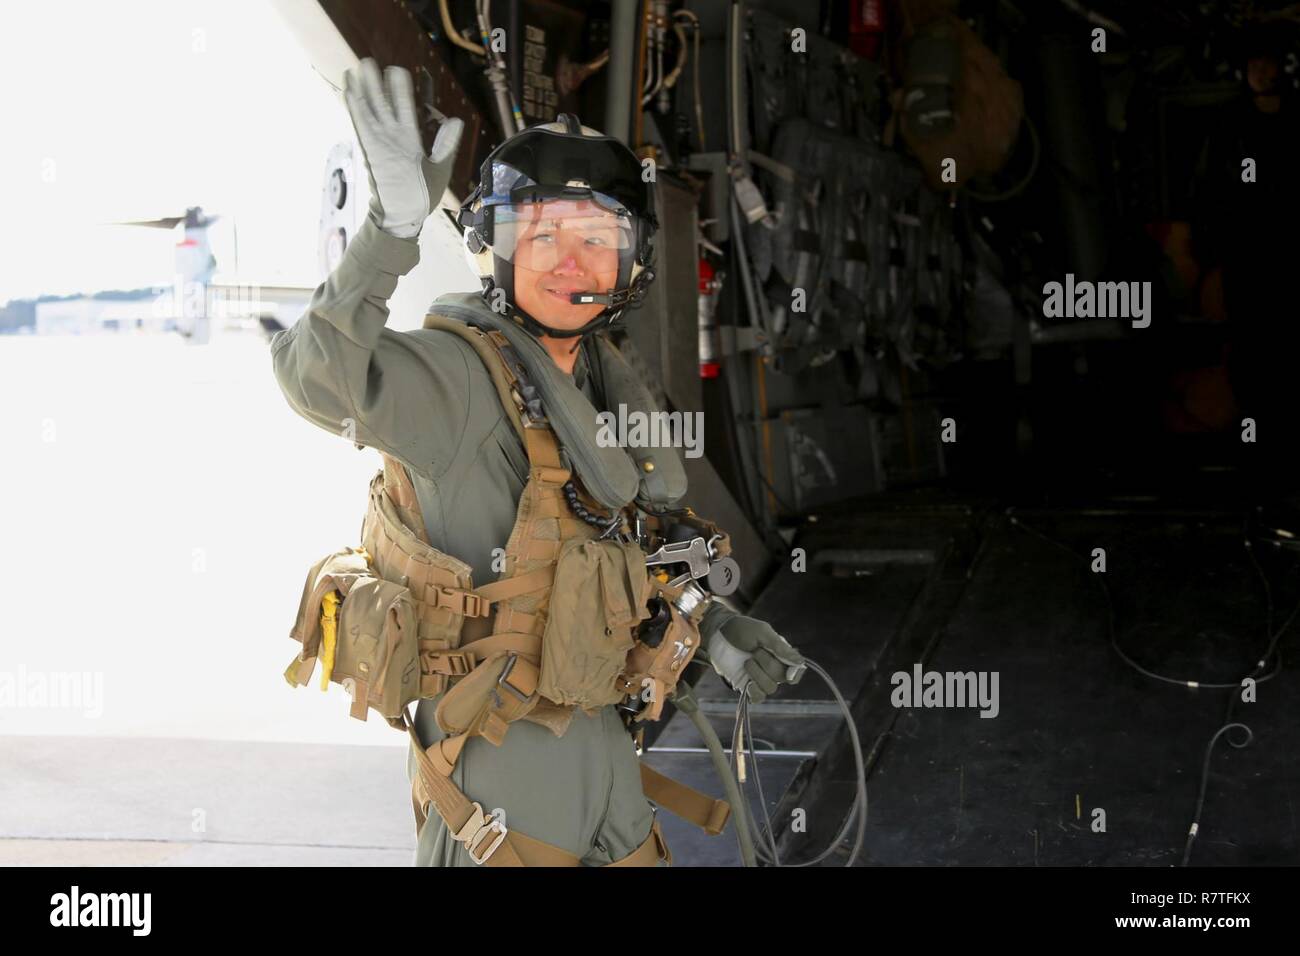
(559, 294)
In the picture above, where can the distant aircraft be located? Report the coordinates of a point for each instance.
(197, 298)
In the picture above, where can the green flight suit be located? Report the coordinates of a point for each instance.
(425, 397)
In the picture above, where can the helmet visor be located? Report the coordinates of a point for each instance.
(539, 236)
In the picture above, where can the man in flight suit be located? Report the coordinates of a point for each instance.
(426, 398)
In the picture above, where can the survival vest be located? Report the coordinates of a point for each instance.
(397, 620)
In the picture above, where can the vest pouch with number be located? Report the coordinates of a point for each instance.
(596, 602)
(362, 630)
(377, 647)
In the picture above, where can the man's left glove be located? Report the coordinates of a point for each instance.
(748, 652)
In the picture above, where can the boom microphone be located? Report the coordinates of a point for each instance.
(585, 298)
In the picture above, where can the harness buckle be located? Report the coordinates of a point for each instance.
(481, 835)
(466, 603)
(449, 663)
(502, 682)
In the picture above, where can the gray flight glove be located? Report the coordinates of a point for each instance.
(748, 652)
(405, 185)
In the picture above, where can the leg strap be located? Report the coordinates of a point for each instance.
(490, 842)
(650, 852)
(686, 802)
(486, 839)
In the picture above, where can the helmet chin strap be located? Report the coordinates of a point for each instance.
(595, 325)
(538, 328)
(614, 302)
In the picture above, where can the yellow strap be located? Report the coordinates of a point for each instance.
(329, 628)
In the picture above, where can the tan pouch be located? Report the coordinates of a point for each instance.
(653, 672)
(596, 602)
(376, 655)
(505, 684)
(334, 572)
(377, 647)
(439, 582)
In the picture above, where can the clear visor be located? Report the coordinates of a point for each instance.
(540, 236)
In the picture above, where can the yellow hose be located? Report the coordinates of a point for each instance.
(454, 35)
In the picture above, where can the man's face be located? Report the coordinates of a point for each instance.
(563, 247)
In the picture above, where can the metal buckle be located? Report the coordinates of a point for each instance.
(476, 832)
(530, 411)
(501, 681)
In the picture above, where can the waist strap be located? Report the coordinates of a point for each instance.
(487, 840)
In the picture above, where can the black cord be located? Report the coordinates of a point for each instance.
(1110, 625)
(857, 815)
(600, 522)
(765, 832)
(1194, 829)
(1228, 724)
(758, 783)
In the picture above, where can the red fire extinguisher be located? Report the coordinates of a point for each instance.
(866, 27)
(710, 284)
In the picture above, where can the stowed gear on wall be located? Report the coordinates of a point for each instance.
(850, 220)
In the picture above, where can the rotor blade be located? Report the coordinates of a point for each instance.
(168, 223)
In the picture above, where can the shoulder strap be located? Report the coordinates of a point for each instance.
(397, 480)
(518, 395)
(493, 360)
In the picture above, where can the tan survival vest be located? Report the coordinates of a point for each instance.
(397, 620)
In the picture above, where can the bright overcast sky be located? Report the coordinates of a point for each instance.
(139, 109)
